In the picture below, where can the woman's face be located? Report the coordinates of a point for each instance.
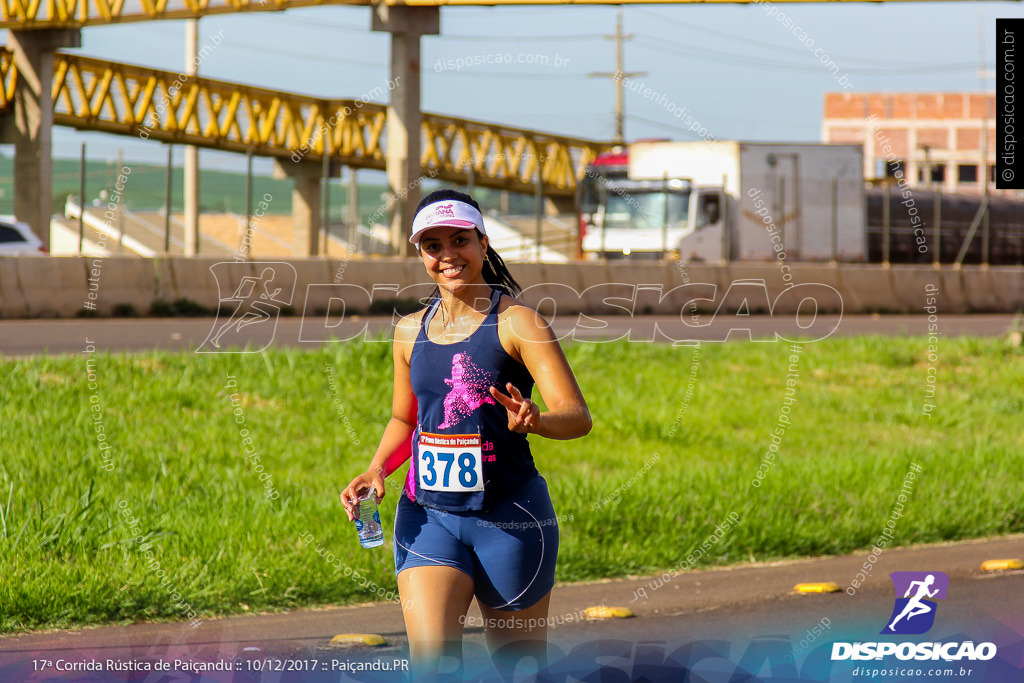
(453, 257)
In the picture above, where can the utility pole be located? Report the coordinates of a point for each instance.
(617, 76)
(983, 167)
(191, 151)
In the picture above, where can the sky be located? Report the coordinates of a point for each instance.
(750, 72)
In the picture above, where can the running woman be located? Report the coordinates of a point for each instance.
(475, 517)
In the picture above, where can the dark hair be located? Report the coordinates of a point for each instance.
(495, 272)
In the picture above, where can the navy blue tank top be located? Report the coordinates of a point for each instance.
(464, 457)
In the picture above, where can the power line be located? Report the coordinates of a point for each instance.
(315, 23)
(748, 41)
(262, 49)
(659, 124)
(328, 25)
(521, 39)
(725, 58)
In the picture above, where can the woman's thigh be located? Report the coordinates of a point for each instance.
(435, 600)
(515, 549)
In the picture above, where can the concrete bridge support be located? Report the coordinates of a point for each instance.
(406, 25)
(32, 127)
(305, 204)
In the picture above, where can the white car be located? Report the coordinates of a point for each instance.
(17, 239)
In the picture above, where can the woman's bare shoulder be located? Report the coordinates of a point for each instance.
(522, 319)
(408, 327)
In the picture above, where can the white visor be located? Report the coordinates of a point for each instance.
(449, 213)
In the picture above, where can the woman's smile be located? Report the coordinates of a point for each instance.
(452, 272)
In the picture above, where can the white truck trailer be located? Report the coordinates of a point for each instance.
(704, 200)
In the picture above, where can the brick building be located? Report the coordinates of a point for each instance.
(938, 138)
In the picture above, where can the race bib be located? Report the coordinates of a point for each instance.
(450, 462)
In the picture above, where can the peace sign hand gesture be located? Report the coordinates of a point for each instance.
(523, 414)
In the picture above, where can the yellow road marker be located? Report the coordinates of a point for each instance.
(819, 587)
(1001, 565)
(353, 639)
(603, 612)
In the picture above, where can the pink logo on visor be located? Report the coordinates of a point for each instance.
(454, 213)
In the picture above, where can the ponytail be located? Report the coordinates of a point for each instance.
(497, 274)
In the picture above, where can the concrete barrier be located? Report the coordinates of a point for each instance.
(12, 300)
(998, 289)
(413, 272)
(590, 275)
(314, 300)
(538, 292)
(750, 289)
(953, 291)
(704, 273)
(56, 286)
(163, 277)
(563, 284)
(530, 274)
(682, 283)
(691, 291)
(325, 300)
(648, 279)
(278, 280)
(336, 270)
(977, 286)
(552, 288)
(350, 287)
(823, 283)
(612, 288)
(60, 286)
(212, 283)
(385, 278)
(393, 271)
(1008, 288)
(710, 274)
(124, 280)
(868, 289)
(379, 280)
(193, 280)
(651, 295)
(912, 284)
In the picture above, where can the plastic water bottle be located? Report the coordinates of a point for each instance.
(371, 533)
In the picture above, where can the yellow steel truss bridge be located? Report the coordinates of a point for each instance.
(166, 106)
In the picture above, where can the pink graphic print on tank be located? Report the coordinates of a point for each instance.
(470, 389)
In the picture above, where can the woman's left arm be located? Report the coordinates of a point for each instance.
(535, 344)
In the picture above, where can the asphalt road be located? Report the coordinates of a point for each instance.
(31, 337)
(737, 624)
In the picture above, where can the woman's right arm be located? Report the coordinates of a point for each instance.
(394, 448)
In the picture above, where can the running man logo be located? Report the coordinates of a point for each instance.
(247, 317)
(914, 613)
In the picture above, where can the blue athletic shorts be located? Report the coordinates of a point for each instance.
(508, 551)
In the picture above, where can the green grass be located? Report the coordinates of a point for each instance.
(222, 191)
(68, 556)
